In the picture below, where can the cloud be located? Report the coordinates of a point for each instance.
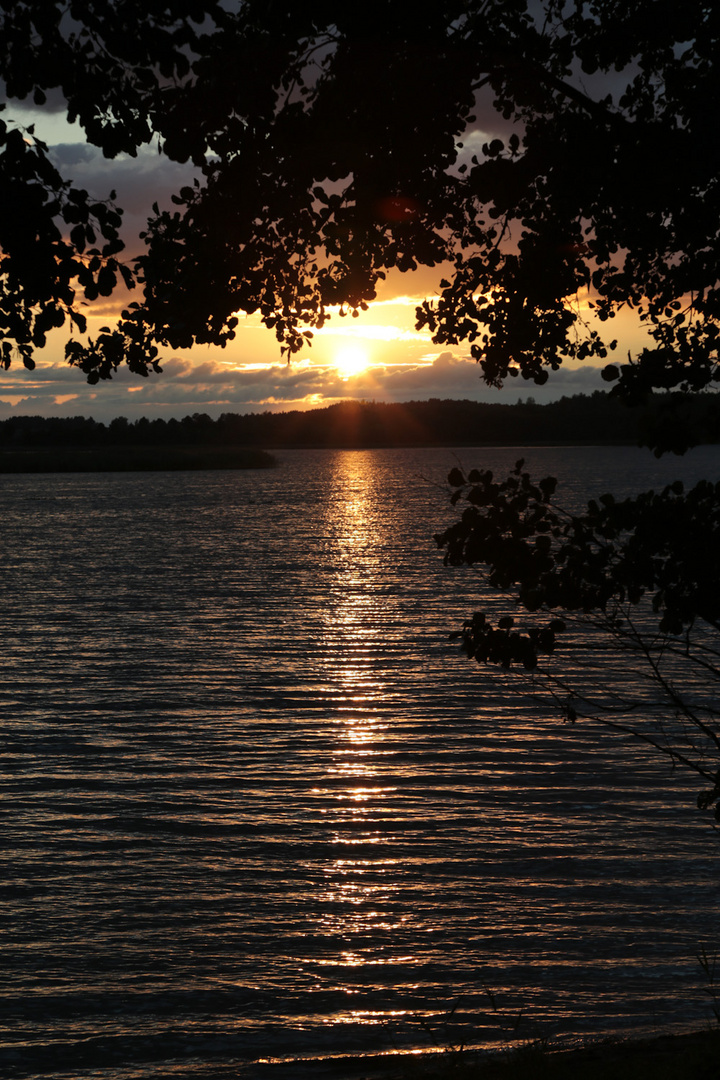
(372, 332)
(451, 376)
(215, 386)
(64, 154)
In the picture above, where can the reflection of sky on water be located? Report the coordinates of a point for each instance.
(249, 784)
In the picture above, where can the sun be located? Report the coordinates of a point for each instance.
(351, 360)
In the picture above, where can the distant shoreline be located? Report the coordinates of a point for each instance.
(684, 1056)
(201, 442)
(34, 444)
(133, 459)
(214, 458)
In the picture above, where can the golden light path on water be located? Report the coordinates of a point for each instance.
(358, 907)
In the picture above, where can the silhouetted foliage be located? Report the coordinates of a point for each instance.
(335, 142)
(636, 581)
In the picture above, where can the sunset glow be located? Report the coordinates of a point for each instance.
(351, 360)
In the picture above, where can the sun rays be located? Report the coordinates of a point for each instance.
(351, 360)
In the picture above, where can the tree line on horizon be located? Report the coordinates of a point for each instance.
(576, 420)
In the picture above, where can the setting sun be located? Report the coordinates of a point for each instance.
(351, 360)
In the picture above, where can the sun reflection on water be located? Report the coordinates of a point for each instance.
(361, 910)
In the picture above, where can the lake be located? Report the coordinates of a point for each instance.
(257, 807)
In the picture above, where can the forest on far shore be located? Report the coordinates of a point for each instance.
(594, 419)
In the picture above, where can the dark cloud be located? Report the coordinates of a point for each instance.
(460, 377)
(64, 154)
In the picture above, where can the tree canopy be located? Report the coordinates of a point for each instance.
(332, 144)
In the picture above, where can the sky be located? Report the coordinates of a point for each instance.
(378, 356)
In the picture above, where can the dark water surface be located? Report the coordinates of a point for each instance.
(255, 805)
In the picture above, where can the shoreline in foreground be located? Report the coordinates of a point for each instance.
(691, 1055)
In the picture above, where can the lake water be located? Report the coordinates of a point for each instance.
(257, 808)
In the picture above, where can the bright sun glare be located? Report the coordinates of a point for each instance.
(351, 360)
